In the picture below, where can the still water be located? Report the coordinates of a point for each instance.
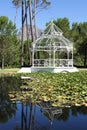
(28, 116)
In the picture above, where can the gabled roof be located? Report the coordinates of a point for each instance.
(52, 36)
(52, 29)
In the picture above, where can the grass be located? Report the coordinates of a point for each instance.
(8, 71)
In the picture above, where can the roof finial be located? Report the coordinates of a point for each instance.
(51, 20)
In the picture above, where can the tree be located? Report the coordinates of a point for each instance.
(83, 43)
(17, 4)
(64, 25)
(7, 31)
(79, 37)
(38, 6)
(20, 3)
(34, 6)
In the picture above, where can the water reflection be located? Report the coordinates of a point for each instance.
(28, 116)
(34, 117)
(42, 116)
(7, 108)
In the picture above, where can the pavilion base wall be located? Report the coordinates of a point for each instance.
(44, 69)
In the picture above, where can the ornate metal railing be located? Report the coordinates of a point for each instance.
(52, 63)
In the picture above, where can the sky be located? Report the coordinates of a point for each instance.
(74, 10)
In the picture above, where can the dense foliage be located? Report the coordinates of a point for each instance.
(9, 45)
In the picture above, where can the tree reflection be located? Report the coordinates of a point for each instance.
(28, 110)
(7, 108)
(81, 110)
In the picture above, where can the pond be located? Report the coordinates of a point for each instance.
(24, 115)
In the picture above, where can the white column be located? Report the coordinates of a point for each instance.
(72, 57)
(33, 57)
(50, 58)
(68, 57)
(54, 57)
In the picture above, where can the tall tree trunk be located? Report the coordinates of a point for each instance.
(22, 39)
(26, 19)
(3, 57)
(30, 16)
(15, 15)
(31, 27)
(35, 19)
(28, 45)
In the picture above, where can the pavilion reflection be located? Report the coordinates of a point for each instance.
(30, 121)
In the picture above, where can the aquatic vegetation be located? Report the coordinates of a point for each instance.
(61, 89)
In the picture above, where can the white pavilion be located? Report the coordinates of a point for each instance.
(52, 52)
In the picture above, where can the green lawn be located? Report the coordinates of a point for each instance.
(8, 71)
(14, 70)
